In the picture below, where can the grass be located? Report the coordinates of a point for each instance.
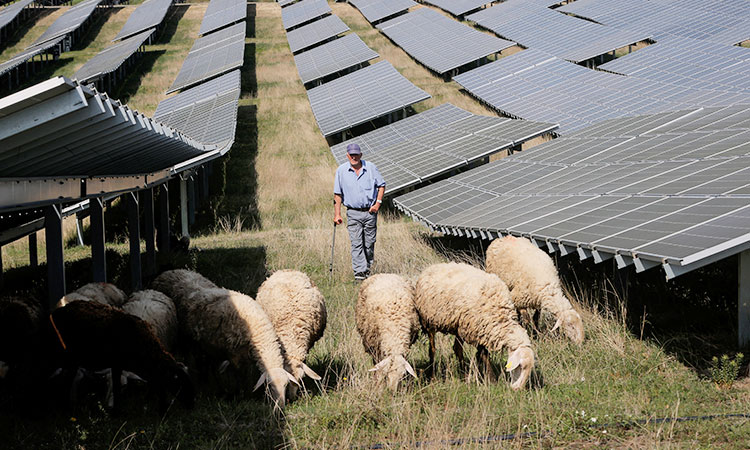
(274, 211)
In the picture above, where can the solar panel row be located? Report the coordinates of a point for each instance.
(459, 7)
(148, 14)
(537, 86)
(71, 20)
(212, 55)
(303, 11)
(376, 10)
(362, 96)
(111, 58)
(221, 13)
(566, 37)
(665, 189)
(440, 43)
(10, 12)
(308, 35)
(335, 56)
(27, 54)
(418, 148)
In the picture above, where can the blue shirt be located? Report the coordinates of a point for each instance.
(358, 191)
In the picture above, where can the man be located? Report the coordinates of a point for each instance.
(360, 187)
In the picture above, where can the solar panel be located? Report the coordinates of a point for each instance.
(71, 20)
(665, 188)
(426, 145)
(10, 12)
(535, 85)
(376, 10)
(725, 22)
(207, 112)
(27, 54)
(111, 58)
(148, 14)
(303, 11)
(440, 43)
(212, 55)
(362, 96)
(459, 7)
(221, 13)
(316, 32)
(284, 3)
(566, 37)
(335, 56)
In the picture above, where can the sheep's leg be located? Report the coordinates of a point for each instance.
(431, 352)
(116, 375)
(458, 349)
(484, 364)
(535, 319)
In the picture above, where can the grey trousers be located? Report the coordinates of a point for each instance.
(362, 227)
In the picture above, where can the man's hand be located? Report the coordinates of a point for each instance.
(338, 220)
(374, 208)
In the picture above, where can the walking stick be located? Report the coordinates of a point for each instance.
(333, 245)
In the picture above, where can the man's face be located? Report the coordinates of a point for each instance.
(355, 159)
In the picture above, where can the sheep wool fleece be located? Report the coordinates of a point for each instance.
(470, 303)
(180, 284)
(158, 311)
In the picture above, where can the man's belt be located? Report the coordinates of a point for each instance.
(358, 209)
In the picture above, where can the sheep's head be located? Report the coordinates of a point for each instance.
(520, 364)
(300, 373)
(277, 379)
(395, 368)
(183, 385)
(571, 325)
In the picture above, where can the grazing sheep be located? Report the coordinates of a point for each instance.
(533, 282)
(298, 313)
(20, 319)
(234, 327)
(104, 293)
(180, 284)
(388, 323)
(474, 306)
(96, 336)
(158, 311)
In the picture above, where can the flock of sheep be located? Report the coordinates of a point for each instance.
(99, 328)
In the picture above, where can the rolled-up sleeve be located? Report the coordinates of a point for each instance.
(337, 183)
(379, 181)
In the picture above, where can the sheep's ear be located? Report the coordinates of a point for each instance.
(291, 378)
(514, 360)
(223, 366)
(381, 365)
(407, 366)
(557, 324)
(310, 373)
(261, 380)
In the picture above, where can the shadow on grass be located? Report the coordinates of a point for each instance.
(19, 32)
(129, 86)
(91, 30)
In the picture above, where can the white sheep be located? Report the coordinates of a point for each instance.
(297, 310)
(533, 281)
(388, 323)
(104, 293)
(234, 327)
(180, 284)
(157, 310)
(474, 306)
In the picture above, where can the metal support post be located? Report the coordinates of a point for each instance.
(55, 263)
(135, 240)
(96, 230)
(184, 207)
(191, 200)
(204, 181)
(164, 230)
(148, 213)
(79, 230)
(743, 299)
(1, 266)
(33, 252)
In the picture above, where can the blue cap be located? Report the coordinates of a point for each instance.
(353, 149)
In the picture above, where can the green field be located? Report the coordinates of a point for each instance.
(272, 210)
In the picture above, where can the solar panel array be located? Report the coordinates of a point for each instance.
(537, 86)
(148, 14)
(375, 10)
(538, 27)
(27, 54)
(335, 56)
(418, 148)
(668, 189)
(316, 32)
(221, 13)
(212, 55)
(71, 20)
(689, 62)
(111, 58)
(10, 12)
(362, 96)
(284, 3)
(207, 112)
(440, 43)
(725, 22)
(458, 7)
(304, 11)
